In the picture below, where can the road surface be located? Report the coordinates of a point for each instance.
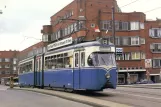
(15, 98)
(138, 97)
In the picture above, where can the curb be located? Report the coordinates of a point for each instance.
(77, 98)
(148, 87)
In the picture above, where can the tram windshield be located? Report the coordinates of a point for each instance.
(101, 58)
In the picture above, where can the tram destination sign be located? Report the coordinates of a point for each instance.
(61, 43)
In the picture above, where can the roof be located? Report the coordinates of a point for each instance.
(8, 54)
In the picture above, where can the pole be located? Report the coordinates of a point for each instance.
(113, 28)
(113, 34)
(42, 71)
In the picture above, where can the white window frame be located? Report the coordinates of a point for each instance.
(135, 56)
(45, 38)
(125, 24)
(7, 60)
(127, 56)
(125, 41)
(135, 41)
(134, 25)
(14, 68)
(142, 25)
(14, 61)
(159, 63)
(7, 66)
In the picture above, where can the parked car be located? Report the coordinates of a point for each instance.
(145, 81)
(7, 83)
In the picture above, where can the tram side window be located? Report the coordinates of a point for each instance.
(46, 62)
(76, 60)
(27, 67)
(67, 62)
(90, 61)
(83, 59)
(60, 61)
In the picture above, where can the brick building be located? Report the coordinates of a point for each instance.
(32, 50)
(139, 38)
(8, 64)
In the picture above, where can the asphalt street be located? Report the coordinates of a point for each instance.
(138, 97)
(15, 98)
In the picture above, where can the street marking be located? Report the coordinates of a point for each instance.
(137, 95)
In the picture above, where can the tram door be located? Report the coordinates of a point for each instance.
(38, 70)
(78, 59)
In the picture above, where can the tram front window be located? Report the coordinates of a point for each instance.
(101, 58)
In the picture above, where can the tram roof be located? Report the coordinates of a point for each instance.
(74, 46)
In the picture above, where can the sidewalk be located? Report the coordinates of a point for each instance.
(75, 97)
(149, 86)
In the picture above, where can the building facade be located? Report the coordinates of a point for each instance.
(8, 65)
(135, 35)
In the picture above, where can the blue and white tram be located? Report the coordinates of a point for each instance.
(85, 66)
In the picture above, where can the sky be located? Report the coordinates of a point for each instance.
(22, 19)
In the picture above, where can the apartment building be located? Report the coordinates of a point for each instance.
(8, 64)
(135, 35)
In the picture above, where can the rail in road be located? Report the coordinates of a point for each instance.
(136, 97)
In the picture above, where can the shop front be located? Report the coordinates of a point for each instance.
(131, 76)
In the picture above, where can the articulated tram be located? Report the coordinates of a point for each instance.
(84, 66)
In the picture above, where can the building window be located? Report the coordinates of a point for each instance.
(72, 28)
(66, 31)
(155, 47)
(58, 34)
(7, 60)
(69, 31)
(124, 25)
(135, 55)
(142, 55)
(14, 68)
(2, 72)
(7, 72)
(120, 57)
(134, 25)
(105, 25)
(135, 41)
(156, 63)
(0, 59)
(142, 40)
(125, 41)
(75, 27)
(7, 66)
(117, 41)
(155, 32)
(0, 66)
(127, 56)
(14, 61)
(117, 25)
(141, 25)
(45, 38)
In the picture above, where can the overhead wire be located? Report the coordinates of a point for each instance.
(129, 3)
(152, 9)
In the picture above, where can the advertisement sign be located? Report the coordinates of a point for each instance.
(148, 63)
(61, 43)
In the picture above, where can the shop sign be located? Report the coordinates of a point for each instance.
(148, 63)
(61, 43)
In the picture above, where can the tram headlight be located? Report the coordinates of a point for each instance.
(107, 75)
